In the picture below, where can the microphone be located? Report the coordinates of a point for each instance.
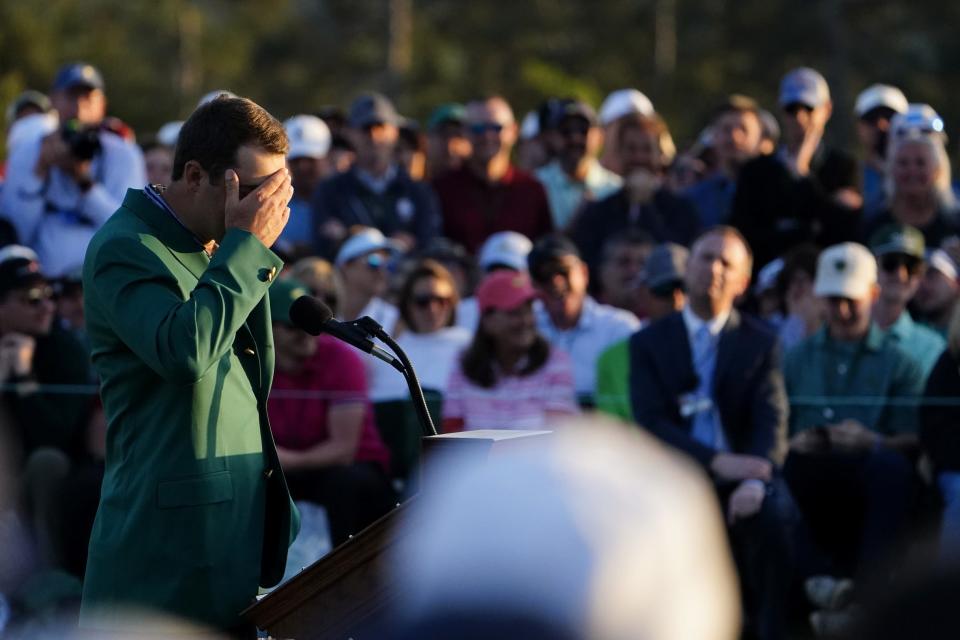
(315, 317)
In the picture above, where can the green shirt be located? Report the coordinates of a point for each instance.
(613, 381)
(921, 342)
(873, 381)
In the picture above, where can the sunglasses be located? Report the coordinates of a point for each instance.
(794, 107)
(376, 261)
(37, 296)
(894, 261)
(480, 128)
(426, 300)
(549, 272)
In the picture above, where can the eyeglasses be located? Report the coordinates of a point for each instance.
(424, 301)
(480, 128)
(894, 261)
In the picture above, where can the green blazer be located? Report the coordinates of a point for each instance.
(194, 511)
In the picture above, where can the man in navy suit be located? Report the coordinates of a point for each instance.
(707, 381)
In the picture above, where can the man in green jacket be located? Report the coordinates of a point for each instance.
(194, 513)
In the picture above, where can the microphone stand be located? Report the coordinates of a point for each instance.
(372, 327)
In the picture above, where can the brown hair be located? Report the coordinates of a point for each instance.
(477, 361)
(652, 124)
(426, 268)
(214, 133)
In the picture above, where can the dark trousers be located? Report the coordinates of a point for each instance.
(856, 506)
(353, 495)
(764, 551)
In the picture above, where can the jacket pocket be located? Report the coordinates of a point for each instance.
(210, 488)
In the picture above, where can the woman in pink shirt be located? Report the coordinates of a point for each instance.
(509, 377)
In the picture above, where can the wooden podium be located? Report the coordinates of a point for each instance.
(346, 592)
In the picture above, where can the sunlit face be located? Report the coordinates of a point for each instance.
(914, 170)
(366, 274)
(159, 162)
(798, 119)
(562, 285)
(375, 144)
(430, 304)
(306, 173)
(514, 330)
(717, 271)
(491, 129)
(85, 104)
(640, 149)
(28, 310)
(899, 277)
(737, 136)
(848, 319)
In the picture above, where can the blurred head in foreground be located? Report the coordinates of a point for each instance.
(598, 533)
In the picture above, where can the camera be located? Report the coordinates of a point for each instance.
(83, 140)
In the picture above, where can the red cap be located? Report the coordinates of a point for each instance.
(504, 290)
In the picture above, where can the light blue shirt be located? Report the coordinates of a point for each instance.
(704, 336)
(713, 199)
(598, 327)
(53, 216)
(566, 194)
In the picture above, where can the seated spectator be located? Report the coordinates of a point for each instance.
(447, 143)
(806, 192)
(428, 302)
(620, 105)
(509, 377)
(661, 293)
(737, 136)
(362, 264)
(920, 191)
(322, 422)
(570, 319)
(899, 252)
(489, 194)
(706, 381)
(61, 187)
(875, 108)
(455, 259)
(375, 191)
(643, 203)
(622, 261)
(575, 176)
(940, 438)
(803, 311)
(938, 292)
(503, 250)
(308, 165)
(853, 426)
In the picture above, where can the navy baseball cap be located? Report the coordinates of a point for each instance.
(804, 86)
(78, 74)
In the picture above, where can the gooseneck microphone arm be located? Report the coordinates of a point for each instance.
(315, 317)
(416, 391)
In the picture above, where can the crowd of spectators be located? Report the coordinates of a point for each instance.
(781, 311)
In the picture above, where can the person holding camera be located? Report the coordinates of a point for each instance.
(63, 185)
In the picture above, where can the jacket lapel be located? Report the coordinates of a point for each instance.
(183, 246)
(726, 350)
(680, 361)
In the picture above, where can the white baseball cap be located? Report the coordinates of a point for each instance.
(507, 248)
(918, 119)
(846, 270)
(623, 102)
(168, 133)
(880, 95)
(362, 243)
(941, 261)
(309, 137)
(31, 128)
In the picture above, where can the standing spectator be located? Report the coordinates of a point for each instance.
(920, 192)
(938, 292)
(509, 377)
(447, 144)
(375, 191)
(575, 176)
(940, 437)
(852, 424)
(61, 188)
(875, 108)
(624, 258)
(488, 194)
(661, 293)
(644, 202)
(737, 135)
(899, 252)
(503, 250)
(620, 104)
(570, 319)
(307, 161)
(322, 421)
(804, 193)
(707, 381)
(428, 302)
(362, 263)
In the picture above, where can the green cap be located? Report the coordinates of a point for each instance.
(898, 238)
(449, 112)
(282, 294)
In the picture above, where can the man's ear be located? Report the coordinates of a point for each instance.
(194, 175)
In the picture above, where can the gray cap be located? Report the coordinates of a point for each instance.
(667, 265)
(804, 86)
(372, 108)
